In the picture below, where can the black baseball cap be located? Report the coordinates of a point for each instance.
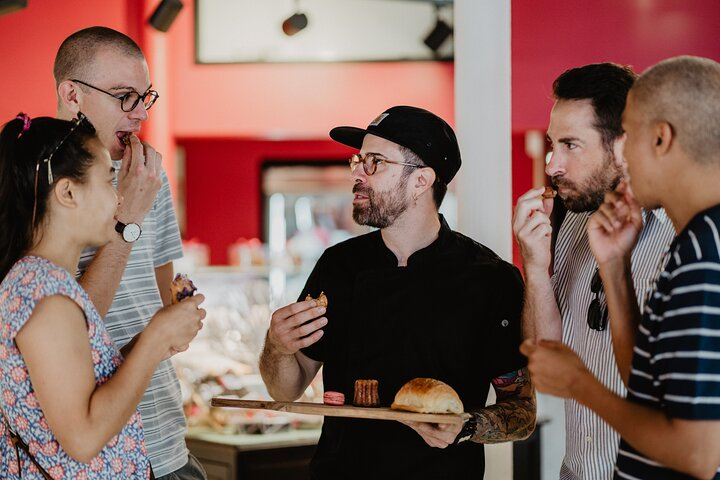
(423, 132)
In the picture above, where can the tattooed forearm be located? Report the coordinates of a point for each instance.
(513, 416)
(512, 420)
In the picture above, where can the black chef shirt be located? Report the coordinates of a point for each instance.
(453, 314)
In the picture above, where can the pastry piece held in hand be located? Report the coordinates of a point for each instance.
(321, 300)
(549, 193)
(182, 287)
(427, 395)
(126, 139)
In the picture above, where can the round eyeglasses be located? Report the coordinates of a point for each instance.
(129, 100)
(370, 163)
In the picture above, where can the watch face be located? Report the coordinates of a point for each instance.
(131, 232)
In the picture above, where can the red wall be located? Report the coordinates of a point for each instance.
(223, 190)
(551, 36)
(29, 39)
(290, 101)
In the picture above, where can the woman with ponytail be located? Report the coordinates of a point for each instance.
(68, 398)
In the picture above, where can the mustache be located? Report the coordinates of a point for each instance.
(559, 181)
(357, 188)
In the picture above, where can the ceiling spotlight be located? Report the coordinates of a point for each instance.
(439, 33)
(294, 23)
(8, 6)
(165, 13)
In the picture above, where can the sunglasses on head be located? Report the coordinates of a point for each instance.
(81, 119)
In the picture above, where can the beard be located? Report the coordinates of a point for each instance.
(382, 208)
(588, 195)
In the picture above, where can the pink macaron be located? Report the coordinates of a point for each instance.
(333, 398)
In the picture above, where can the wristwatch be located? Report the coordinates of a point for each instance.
(468, 430)
(129, 231)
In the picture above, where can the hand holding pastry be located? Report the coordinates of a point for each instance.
(174, 326)
(614, 229)
(139, 180)
(321, 300)
(181, 288)
(427, 395)
(532, 228)
(296, 326)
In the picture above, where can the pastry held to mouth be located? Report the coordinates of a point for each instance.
(549, 193)
(124, 137)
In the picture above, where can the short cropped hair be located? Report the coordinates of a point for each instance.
(685, 92)
(606, 85)
(76, 54)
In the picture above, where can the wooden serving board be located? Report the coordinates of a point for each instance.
(341, 411)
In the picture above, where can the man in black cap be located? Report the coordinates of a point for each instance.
(412, 299)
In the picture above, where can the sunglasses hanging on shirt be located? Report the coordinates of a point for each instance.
(597, 318)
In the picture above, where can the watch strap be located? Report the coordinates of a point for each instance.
(468, 430)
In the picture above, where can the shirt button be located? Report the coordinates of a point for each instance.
(504, 323)
(588, 439)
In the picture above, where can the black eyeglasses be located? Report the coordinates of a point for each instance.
(370, 163)
(129, 100)
(597, 317)
(81, 119)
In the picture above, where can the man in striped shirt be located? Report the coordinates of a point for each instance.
(103, 73)
(670, 421)
(587, 162)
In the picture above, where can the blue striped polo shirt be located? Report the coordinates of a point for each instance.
(676, 361)
(591, 445)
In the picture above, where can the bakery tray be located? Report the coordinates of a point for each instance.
(341, 411)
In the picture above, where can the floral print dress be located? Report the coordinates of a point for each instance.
(30, 280)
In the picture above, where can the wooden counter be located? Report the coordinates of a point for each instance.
(272, 456)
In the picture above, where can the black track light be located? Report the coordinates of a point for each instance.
(294, 23)
(165, 13)
(9, 6)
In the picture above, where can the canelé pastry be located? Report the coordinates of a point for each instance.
(366, 393)
(322, 300)
(333, 398)
(427, 395)
(181, 287)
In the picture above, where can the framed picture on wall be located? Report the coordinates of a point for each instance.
(268, 31)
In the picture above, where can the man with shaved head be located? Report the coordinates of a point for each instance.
(103, 74)
(670, 421)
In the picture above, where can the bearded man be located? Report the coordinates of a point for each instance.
(567, 301)
(411, 299)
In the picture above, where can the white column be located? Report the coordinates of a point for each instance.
(482, 119)
(482, 116)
